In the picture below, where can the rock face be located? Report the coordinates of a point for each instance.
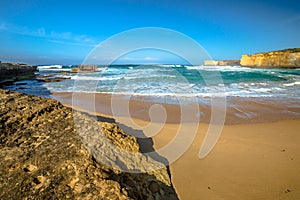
(44, 155)
(85, 68)
(221, 62)
(229, 63)
(288, 58)
(210, 62)
(10, 72)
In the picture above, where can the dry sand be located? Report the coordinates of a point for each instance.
(250, 160)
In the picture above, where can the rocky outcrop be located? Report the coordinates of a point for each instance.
(51, 78)
(288, 58)
(221, 62)
(85, 68)
(10, 72)
(48, 151)
(210, 62)
(229, 63)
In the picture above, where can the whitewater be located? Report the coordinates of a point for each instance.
(170, 81)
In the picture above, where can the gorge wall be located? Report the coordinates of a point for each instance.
(288, 58)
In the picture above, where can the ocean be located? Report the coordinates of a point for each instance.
(163, 83)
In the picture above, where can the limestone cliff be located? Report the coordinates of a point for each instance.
(288, 58)
(228, 62)
(44, 155)
(221, 62)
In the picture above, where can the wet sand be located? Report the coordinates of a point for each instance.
(256, 157)
(238, 110)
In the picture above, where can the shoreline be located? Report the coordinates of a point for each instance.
(253, 160)
(249, 161)
(238, 110)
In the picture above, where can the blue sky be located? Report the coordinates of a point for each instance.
(64, 32)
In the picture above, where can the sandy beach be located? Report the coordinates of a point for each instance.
(238, 111)
(250, 161)
(255, 158)
(150, 100)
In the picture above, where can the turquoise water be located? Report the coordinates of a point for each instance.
(174, 80)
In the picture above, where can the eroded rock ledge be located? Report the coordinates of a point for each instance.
(10, 72)
(43, 155)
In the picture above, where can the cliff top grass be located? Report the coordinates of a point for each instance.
(291, 50)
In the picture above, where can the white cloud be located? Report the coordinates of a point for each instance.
(139, 58)
(72, 43)
(151, 59)
(52, 36)
(41, 32)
